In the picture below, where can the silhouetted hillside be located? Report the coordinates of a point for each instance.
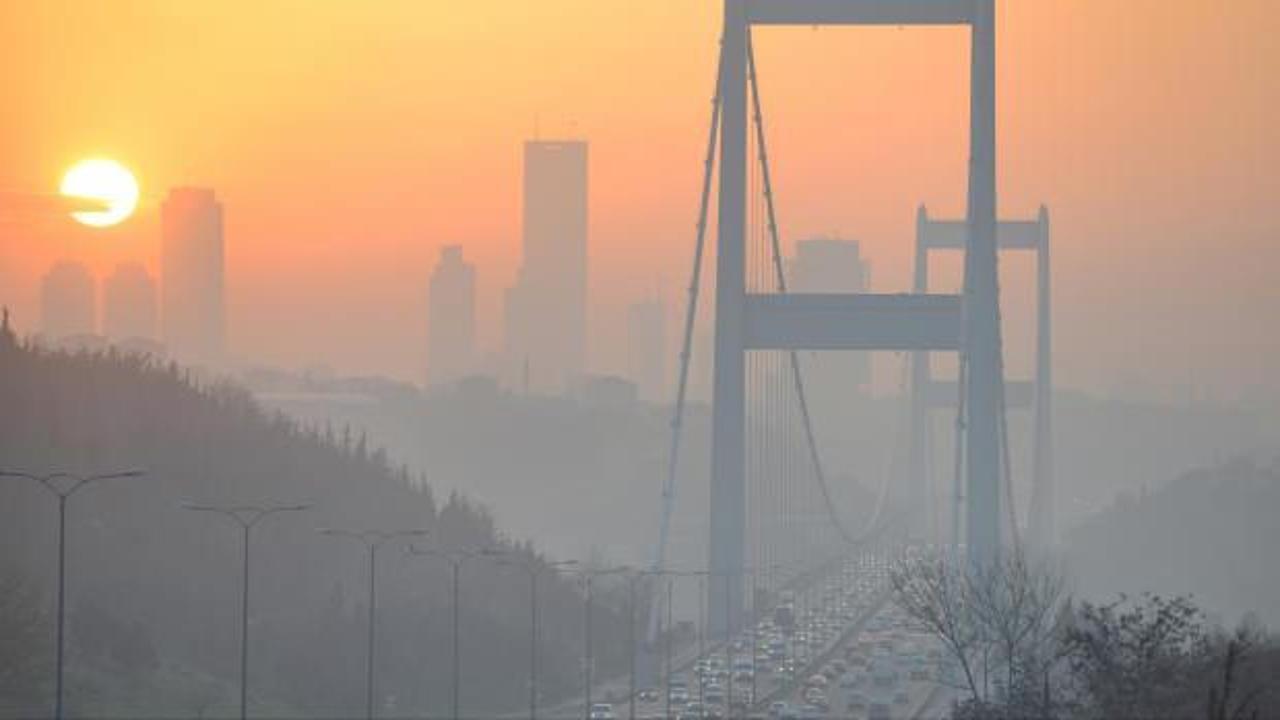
(1213, 533)
(154, 589)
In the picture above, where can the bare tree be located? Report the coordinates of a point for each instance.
(930, 592)
(1019, 605)
(1001, 621)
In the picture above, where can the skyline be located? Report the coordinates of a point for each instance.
(1104, 123)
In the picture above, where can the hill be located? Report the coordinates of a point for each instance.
(154, 590)
(1212, 533)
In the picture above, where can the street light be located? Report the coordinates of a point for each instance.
(534, 568)
(246, 516)
(63, 485)
(373, 540)
(631, 634)
(587, 576)
(456, 560)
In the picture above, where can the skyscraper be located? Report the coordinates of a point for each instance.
(451, 318)
(192, 313)
(546, 310)
(129, 303)
(67, 304)
(647, 349)
(832, 265)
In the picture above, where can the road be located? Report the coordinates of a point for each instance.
(874, 665)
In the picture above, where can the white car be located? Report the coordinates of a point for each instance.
(602, 711)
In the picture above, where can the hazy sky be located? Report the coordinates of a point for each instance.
(349, 140)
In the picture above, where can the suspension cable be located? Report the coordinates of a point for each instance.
(781, 280)
(691, 311)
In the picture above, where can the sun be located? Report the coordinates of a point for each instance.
(105, 181)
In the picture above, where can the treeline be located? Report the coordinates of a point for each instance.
(1020, 647)
(153, 590)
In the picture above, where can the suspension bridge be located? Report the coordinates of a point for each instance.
(771, 499)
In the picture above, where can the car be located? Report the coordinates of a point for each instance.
(857, 702)
(848, 681)
(647, 695)
(777, 708)
(818, 681)
(602, 711)
(815, 696)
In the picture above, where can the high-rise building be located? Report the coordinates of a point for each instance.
(129, 304)
(832, 265)
(67, 304)
(646, 350)
(451, 318)
(192, 312)
(546, 310)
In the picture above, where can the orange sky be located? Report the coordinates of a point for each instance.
(349, 140)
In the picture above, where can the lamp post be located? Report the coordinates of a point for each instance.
(587, 659)
(372, 540)
(456, 559)
(246, 516)
(667, 650)
(631, 636)
(534, 568)
(63, 485)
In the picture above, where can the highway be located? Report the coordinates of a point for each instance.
(847, 654)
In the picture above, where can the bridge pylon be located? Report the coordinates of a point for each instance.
(745, 322)
(929, 394)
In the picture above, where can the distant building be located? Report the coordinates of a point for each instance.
(67, 306)
(129, 304)
(832, 265)
(546, 309)
(192, 295)
(451, 319)
(647, 349)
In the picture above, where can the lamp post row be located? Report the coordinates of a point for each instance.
(64, 485)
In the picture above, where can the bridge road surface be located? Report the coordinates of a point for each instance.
(847, 597)
(899, 680)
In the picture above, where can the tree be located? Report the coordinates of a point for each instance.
(1136, 659)
(1231, 699)
(1001, 622)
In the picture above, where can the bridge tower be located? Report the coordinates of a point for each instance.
(928, 394)
(911, 323)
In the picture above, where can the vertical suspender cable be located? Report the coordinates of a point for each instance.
(797, 376)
